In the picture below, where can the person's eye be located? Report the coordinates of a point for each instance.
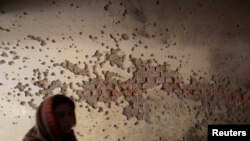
(60, 115)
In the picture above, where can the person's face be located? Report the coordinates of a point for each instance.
(65, 116)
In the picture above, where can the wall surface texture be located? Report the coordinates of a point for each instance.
(144, 70)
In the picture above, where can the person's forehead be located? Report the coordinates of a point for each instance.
(63, 107)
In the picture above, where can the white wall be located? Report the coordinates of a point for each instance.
(209, 38)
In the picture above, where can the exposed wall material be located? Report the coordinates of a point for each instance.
(137, 70)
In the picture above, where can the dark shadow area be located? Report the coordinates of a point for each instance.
(221, 27)
(230, 53)
(9, 6)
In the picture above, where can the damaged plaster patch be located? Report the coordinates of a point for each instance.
(74, 68)
(148, 76)
(115, 58)
(39, 39)
(168, 107)
(125, 36)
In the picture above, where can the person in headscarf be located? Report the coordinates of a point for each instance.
(55, 119)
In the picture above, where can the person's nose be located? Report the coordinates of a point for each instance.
(67, 118)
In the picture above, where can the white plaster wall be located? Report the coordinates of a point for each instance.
(200, 35)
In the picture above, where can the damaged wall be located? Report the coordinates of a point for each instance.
(138, 70)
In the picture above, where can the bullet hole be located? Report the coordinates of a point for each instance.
(4, 54)
(124, 13)
(112, 37)
(157, 2)
(14, 123)
(115, 126)
(100, 109)
(22, 102)
(2, 62)
(12, 52)
(53, 74)
(102, 32)
(154, 24)
(136, 123)
(106, 7)
(125, 36)
(80, 33)
(16, 57)
(53, 40)
(91, 37)
(10, 63)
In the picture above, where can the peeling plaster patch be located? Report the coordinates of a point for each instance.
(154, 93)
(145, 76)
(74, 68)
(115, 58)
